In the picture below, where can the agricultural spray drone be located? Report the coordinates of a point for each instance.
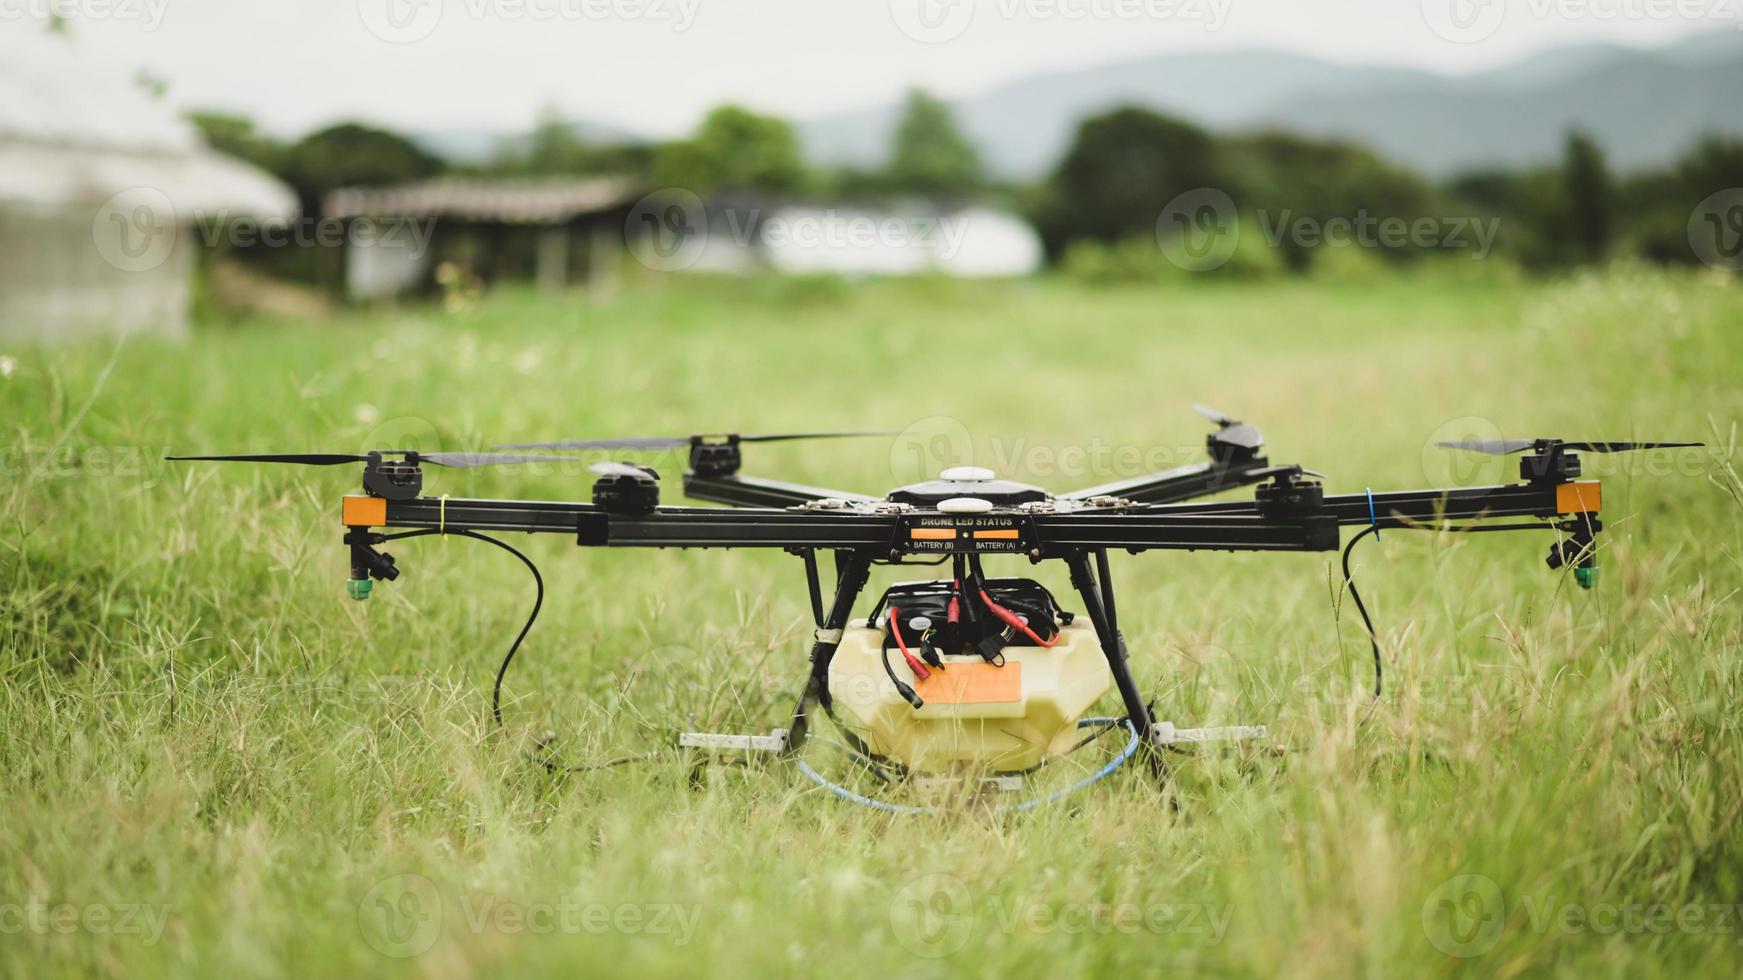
(966, 672)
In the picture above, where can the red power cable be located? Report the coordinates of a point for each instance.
(914, 664)
(1013, 620)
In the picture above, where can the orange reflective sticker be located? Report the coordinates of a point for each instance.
(1577, 498)
(365, 511)
(973, 683)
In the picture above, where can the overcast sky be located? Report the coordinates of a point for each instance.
(653, 66)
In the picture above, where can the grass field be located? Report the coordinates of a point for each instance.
(215, 764)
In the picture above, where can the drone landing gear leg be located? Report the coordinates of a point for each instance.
(852, 569)
(1098, 603)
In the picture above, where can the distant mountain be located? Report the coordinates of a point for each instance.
(1644, 106)
(1643, 110)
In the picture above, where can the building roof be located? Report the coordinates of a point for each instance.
(514, 201)
(74, 132)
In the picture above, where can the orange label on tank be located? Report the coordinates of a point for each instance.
(972, 683)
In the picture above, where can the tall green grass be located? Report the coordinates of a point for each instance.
(216, 764)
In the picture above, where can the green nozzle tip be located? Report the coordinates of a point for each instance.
(358, 588)
(1587, 577)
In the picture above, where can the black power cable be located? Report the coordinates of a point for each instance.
(908, 694)
(1350, 583)
(508, 658)
(538, 604)
(1374, 528)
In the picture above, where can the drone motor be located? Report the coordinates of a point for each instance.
(625, 488)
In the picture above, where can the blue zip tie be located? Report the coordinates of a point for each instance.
(1375, 521)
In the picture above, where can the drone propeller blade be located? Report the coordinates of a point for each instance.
(1230, 430)
(1289, 469)
(1492, 447)
(648, 443)
(623, 469)
(454, 460)
(1215, 416)
(655, 443)
(466, 461)
(1243, 435)
(1502, 447)
(305, 459)
(784, 436)
(1620, 447)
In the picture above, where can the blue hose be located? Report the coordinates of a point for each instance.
(1053, 797)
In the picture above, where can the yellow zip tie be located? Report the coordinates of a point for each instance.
(442, 516)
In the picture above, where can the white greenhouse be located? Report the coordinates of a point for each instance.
(103, 195)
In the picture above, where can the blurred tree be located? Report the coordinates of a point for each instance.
(1119, 174)
(1714, 164)
(734, 149)
(930, 155)
(236, 135)
(1531, 206)
(1494, 191)
(1653, 215)
(352, 155)
(1655, 207)
(1285, 178)
(1590, 200)
(854, 183)
(628, 159)
(556, 147)
(346, 155)
(1550, 216)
